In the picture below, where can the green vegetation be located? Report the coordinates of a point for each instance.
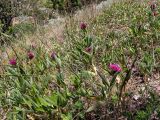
(92, 75)
(69, 5)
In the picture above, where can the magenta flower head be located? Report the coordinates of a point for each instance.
(12, 61)
(30, 55)
(153, 7)
(53, 55)
(88, 49)
(115, 67)
(155, 13)
(83, 26)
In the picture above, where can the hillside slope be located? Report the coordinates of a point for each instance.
(95, 65)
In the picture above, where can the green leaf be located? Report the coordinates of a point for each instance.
(78, 105)
(66, 117)
(104, 80)
(27, 102)
(58, 61)
(61, 100)
(12, 71)
(43, 102)
(53, 99)
(87, 74)
(157, 50)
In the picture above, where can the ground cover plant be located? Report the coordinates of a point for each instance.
(102, 70)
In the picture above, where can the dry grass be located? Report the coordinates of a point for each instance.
(113, 41)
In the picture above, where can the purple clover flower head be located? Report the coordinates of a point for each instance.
(155, 13)
(30, 55)
(153, 6)
(53, 55)
(12, 61)
(88, 49)
(115, 67)
(83, 26)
